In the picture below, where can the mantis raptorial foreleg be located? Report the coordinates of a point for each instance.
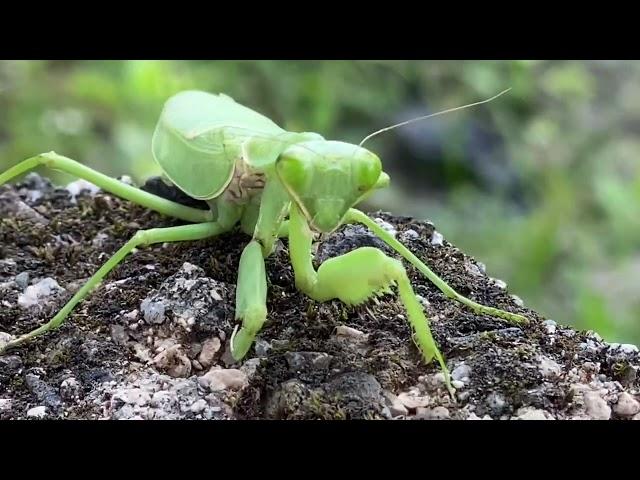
(143, 237)
(354, 215)
(251, 287)
(355, 277)
(251, 299)
(58, 162)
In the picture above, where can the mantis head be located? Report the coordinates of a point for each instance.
(326, 178)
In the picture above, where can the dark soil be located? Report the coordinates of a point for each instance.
(107, 360)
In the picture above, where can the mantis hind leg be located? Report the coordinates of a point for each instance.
(58, 162)
(142, 237)
(357, 216)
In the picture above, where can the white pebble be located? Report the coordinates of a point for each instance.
(413, 402)
(624, 347)
(597, 408)
(461, 373)
(198, 406)
(500, 283)
(517, 300)
(37, 412)
(438, 378)
(437, 239)
(548, 367)
(436, 413)
(396, 408)
(627, 406)
(223, 379)
(153, 311)
(174, 361)
(5, 338)
(75, 188)
(411, 234)
(134, 396)
(348, 332)
(386, 226)
(209, 351)
(33, 294)
(5, 404)
(530, 413)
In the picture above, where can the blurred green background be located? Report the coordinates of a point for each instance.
(542, 185)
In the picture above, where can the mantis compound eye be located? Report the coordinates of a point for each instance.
(326, 179)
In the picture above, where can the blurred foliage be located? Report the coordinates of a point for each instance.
(566, 237)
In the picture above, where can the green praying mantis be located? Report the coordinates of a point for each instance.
(274, 184)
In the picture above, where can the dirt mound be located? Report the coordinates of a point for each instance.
(152, 340)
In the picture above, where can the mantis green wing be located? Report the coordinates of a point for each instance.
(199, 137)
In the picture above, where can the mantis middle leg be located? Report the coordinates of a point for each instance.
(354, 215)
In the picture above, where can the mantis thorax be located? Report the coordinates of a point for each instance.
(246, 183)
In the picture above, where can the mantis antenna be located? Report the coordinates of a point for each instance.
(413, 120)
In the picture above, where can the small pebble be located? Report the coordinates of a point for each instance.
(398, 409)
(624, 347)
(251, 366)
(627, 406)
(462, 396)
(5, 404)
(5, 338)
(10, 363)
(386, 226)
(224, 379)
(308, 360)
(198, 406)
(262, 348)
(119, 334)
(153, 311)
(70, 389)
(496, 403)
(77, 187)
(549, 367)
(591, 367)
(436, 413)
(210, 349)
(461, 373)
(499, 283)
(34, 294)
(437, 239)
(594, 335)
(529, 413)
(22, 280)
(352, 333)
(37, 412)
(410, 235)
(174, 361)
(437, 379)
(412, 402)
(596, 407)
(517, 300)
(134, 396)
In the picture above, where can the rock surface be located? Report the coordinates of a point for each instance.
(152, 342)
